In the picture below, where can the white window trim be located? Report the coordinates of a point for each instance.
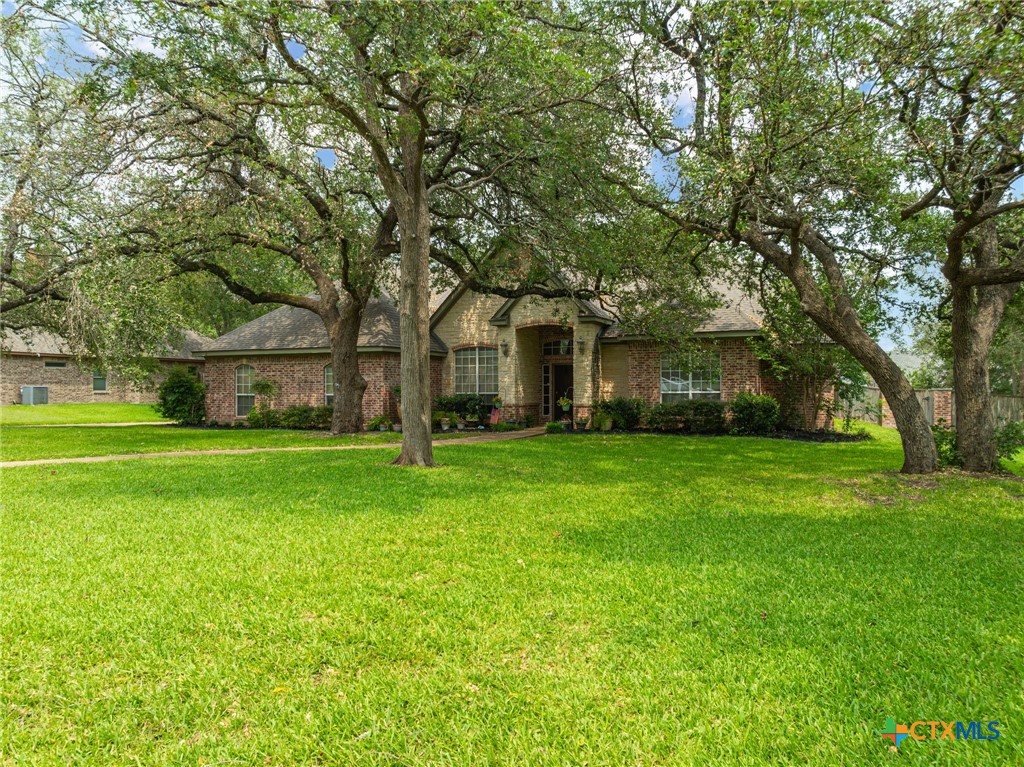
(249, 394)
(688, 394)
(329, 389)
(476, 370)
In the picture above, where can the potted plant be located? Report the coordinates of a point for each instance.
(496, 403)
(446, 422)
(396, 427)
(581, 424)
(379, 423)
(565, 403)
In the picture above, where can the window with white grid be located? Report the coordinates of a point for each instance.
(329, 385)
(476, 371)
(245, 398)
(691, 378)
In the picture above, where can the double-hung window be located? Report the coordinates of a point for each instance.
(691, 378)
(476, 371)
(329, 385)
(245, 397)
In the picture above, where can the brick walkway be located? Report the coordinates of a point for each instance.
(500, 436)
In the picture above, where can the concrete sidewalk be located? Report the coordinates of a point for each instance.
(82, 425)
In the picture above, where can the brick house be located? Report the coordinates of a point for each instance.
(40, 358)
(289, 346)
(528, 351)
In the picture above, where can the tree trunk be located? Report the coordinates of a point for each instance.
(349, 384)
(919, 453)
(414, 300)
(841, 324)
(976, 314)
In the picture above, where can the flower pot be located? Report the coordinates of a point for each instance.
(397, 427)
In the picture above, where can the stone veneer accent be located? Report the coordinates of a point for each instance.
(73, 384)
(300, 381)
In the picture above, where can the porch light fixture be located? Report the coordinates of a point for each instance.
(504, 347)
(581, 344)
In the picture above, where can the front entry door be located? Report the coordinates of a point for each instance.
(561, 386)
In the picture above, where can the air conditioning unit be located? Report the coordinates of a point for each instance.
(35, 395)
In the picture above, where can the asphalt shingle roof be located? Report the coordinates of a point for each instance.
(292, 328)
(45, 343)
(737, 313)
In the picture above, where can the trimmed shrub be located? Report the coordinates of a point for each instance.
(322, 417)
(707, 416)
(625, 413)
(464, 405)
(554, 427)
(505, 426)
(264, 418)
(295, 417)
(755, 414)
(377, 421)
(182, 398)
(693, 416)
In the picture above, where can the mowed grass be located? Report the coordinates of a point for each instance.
(602, 600)
(24, 415)
(22, 444)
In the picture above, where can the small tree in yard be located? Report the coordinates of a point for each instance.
(182, 398)
(816, 375)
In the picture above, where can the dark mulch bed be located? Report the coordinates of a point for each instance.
(823, 436)
(800, 435)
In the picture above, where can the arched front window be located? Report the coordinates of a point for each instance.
(329, 385)
(476, 371)
(245, 375)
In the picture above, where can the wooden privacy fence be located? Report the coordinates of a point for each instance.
(1006, 409)
(938, 404)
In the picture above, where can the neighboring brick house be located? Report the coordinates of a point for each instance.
(39, 358)
(528, 351)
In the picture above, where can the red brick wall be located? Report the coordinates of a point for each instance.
(300, 380)
(645, 371)
(943, 405)
(741, 369)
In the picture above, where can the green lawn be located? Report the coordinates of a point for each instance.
(18, 444)
(14, 415)
(602, 600)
